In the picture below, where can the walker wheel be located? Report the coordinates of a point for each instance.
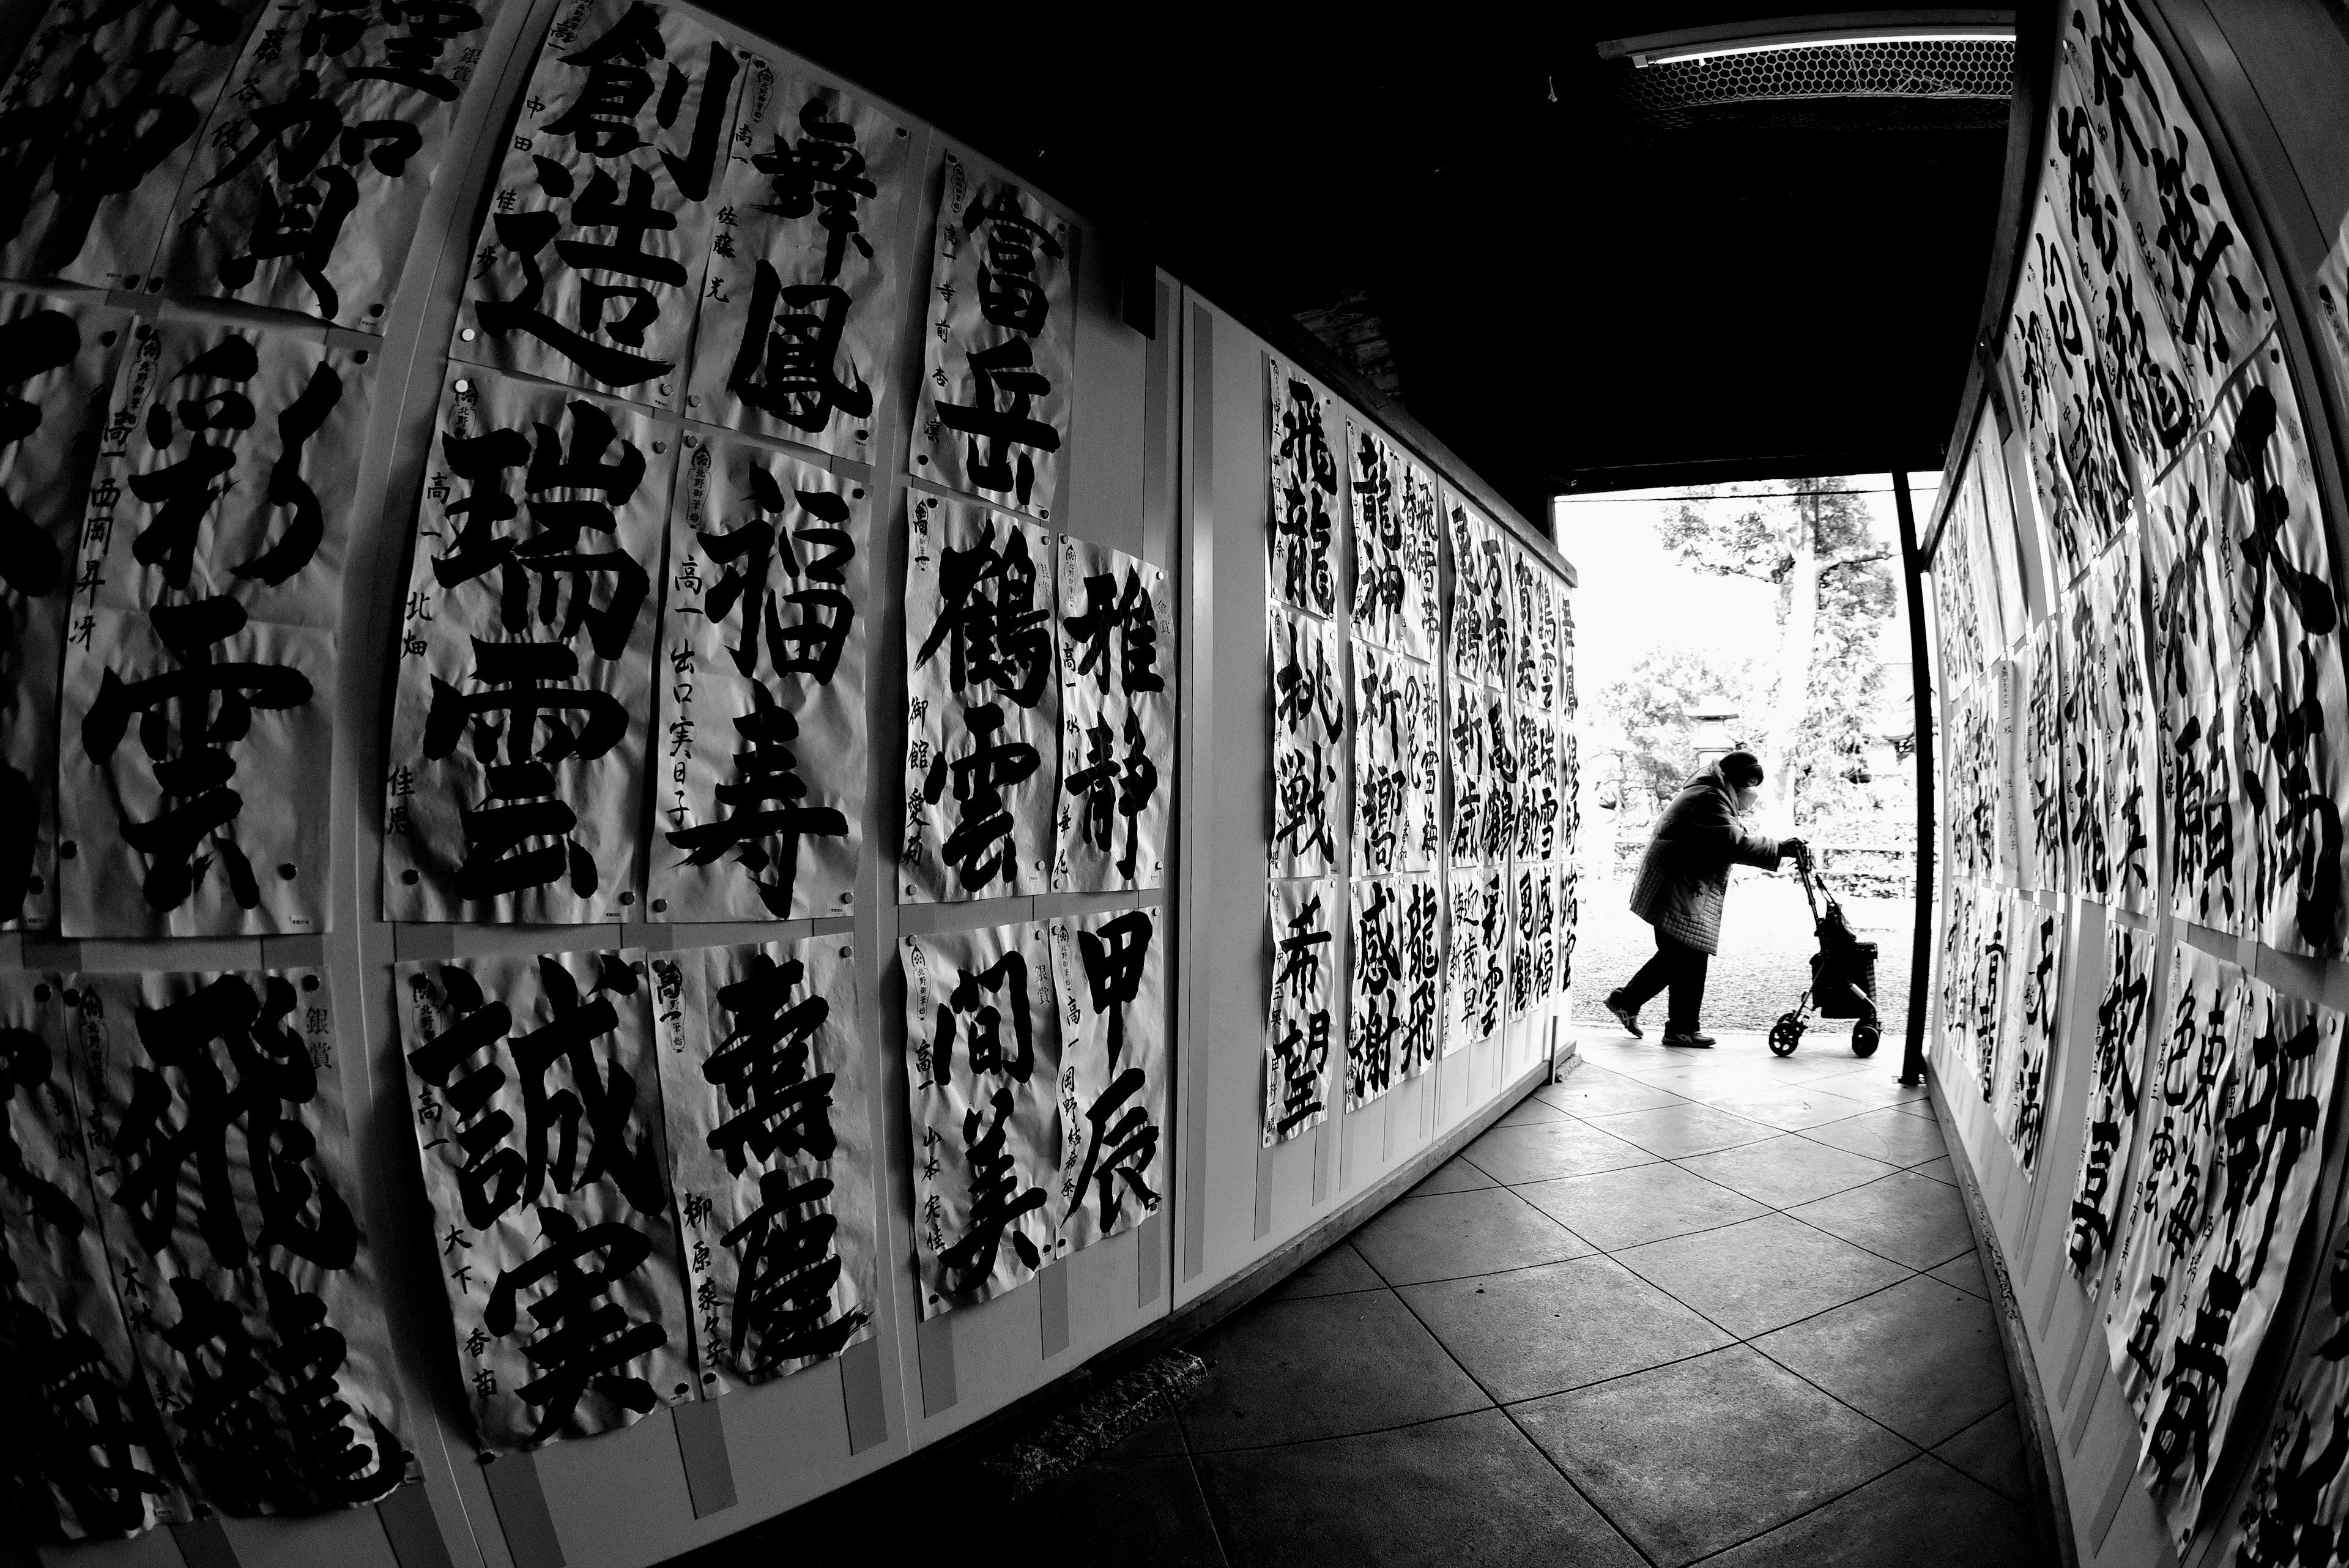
(1864, 1036)
(1787, 1033)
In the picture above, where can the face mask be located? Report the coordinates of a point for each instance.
(1746, 796)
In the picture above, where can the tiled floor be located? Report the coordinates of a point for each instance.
(1682, 1307)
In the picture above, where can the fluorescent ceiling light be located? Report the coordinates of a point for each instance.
(1813, 32)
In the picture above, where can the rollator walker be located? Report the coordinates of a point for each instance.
(1843, 972)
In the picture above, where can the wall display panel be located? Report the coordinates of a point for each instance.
(2117, 1090)
(1397, 535)
(766, 1105)
(797, 333)
(2084, 484)
(1309, 729)
(2172, 204)
(1117, 742)
(2296, 1513)
(999, 358)
(1374, 1043)
(1303, 542)
(2034, 1005)
(1396, 761)
(58, 357)
(2040, 757)
(982, 704)
(2195, 715)
(514, 788)
(85, 1454)
(2284, 627)
(2233, 1210)
(311, 172)
(588, 268)
(227, 1185)
(1299, 1029)
(983, 1064)
(759, 782)
(197, 710)
(535, 1088)
(1110, 972)
(107, 100)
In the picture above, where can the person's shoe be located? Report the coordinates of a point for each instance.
(1629, 1017)
(1693, 1042)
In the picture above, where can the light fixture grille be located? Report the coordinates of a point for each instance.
(1913, 69)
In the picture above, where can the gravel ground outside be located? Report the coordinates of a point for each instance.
(1764, 960)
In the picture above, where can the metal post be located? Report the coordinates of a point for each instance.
(1921, 955)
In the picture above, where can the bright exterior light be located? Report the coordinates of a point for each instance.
(1817, 40)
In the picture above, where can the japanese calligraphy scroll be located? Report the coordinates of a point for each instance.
(101, 115)
(1533, 951)
(2123, 706)
(84, 1456)
(2079, 740)
(524, 691)
(1991, 961)
(1117, 738)
(1568, 913)
(1954, 969)
(2245, 1080)
(2082, 481)
(983, 1064)
(767, 1112)
(1468, 534)
(57, 363)
(1302, 572)
(590, 262)
(1302, 1024)
(1110, 972)
(2034, 1002)
(225, 1176)
(998, 361)
(798, 327)
(2297, 1514)
(2041, 758)
(1396, 763)
(1396, 538)
(759, 781)
(538, 1114)
(1473, 779)
(1396, 1017)
(982, 704)
(198, 714)
(1467, 1003)
(2124, 1029)
(1308, 725)
(311, 172)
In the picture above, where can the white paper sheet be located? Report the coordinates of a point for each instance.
(2034, 1001)
(1396, 541)
(1115, 783)
(514, 786)
(758, 778)
(1308, 733)
(1116, 1160)
(1395, 762)
(1301, 1030)
(2115, 1092)
(1301, 537)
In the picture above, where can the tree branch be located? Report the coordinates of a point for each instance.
(1854, 559)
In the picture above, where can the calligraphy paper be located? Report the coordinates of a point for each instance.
(1467, 532)
(1540, 811)
(536, 1095)
(1568, 914)
(1993, 961)
(1498, 834)
(310, 174)
(2296, 1513)
(1472, 776)
(2124, 1020)
(227, 1183)
(102, 112)
(998, 361)
(2042, 756)
(1302, 574)
(198, 714)
(982, 704)
(2083, 754)
(1376, 1019)
(2085, 483)
(1493, 951)
(2125, 699)
(1300, 1027)
(2290, 786)
(1956, 960)
(759, 781)
(797, 336)
(767, 1116)
(85, 1454)
(1110, 972)
(2194, 714)
(1419, 979)
(1464, 984)
(2034, 990)
(1117, 740)
(983, 1064)
(1309, 726)
(2275, 1086)
(515, 787)
(589, 265)
(58, 357)
(1396, 538)
(1958, 618)
(1529, 923)
(1394, 817)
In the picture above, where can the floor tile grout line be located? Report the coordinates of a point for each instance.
(1208, 1503)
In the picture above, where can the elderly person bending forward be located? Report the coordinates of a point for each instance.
(1682, 879)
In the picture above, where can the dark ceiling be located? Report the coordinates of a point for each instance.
(1571, 291)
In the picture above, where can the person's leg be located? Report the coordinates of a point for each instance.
(1687, 987)
(1653, 976)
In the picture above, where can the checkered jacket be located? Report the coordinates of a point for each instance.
(1684, 875)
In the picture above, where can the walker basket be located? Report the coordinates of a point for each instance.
(1843, 978)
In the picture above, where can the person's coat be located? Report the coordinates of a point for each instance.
(1684, 875)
